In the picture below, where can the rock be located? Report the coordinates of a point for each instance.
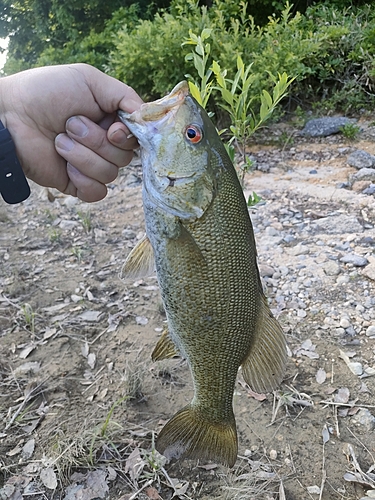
(341, 280)
(356, 260)
(360, 186)
(331, 268)
(365, 418)
(128, 234)
(68, 225)
(361, 159)
(344, 323)
(369, 270)
(299, 250)
(321, 127)
(369, 190)
(365, 174)
(337, 224)
(370, 332)
(265, 270)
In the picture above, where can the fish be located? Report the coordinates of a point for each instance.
(200, 239)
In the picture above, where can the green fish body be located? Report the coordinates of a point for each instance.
(200, 238)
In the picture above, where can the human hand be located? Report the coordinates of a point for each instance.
(62, 120)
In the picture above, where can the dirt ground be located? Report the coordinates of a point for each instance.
(80, 399)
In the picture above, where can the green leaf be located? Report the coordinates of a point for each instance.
(194, 91)
(206, 33)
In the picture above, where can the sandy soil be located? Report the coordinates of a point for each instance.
(80, 399)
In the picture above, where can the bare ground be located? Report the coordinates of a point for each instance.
(80, 399)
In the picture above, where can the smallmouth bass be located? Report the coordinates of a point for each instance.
(200, 238)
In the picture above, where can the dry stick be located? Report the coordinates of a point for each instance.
(324, 473)
(351, 405)
(28, 397)
(134, 496)
(362, 444)
(336, 421)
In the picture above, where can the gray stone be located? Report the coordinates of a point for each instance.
(331, 268)
(365, 418)
(68, 225)
(369, 190)
(266, 270)
(356, 260)
(321, 127)
(361, 159)
(370, 332)
(344, 323)
(341, 280)
(337, 224)
(364, 174)
(128, 234)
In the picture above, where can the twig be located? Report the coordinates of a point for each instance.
(360, 442)
(324, 473)
(28, 397)
(336, 421)
(351, 405)
(134, 496)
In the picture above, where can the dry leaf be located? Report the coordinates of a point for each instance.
(49, 333)
(28, 449)
(354, 367)
(91, 360)
(48, 478)
(315, 490)
(31, 366)
(325, 434)
(85, 350)
(342, 395)
(89, 316)
(16, 450)
(53, 309)
(134, 464)
(27, 350)
(321, 376)
(152, 493)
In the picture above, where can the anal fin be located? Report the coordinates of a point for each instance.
(264, 367)
(140, 262)
(164, 348)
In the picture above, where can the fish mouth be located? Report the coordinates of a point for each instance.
(157, 110)
(170, 181)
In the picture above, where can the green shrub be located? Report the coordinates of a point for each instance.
(150, 57)
(343, 71)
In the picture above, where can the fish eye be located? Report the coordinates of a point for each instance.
(193, 134)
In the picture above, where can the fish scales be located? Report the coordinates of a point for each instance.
(200, 235)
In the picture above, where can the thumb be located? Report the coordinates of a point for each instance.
(109, 93)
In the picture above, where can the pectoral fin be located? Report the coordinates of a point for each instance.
(264, 367)
(140, 262)
(164, 348)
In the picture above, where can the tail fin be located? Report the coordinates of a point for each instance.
(190, 435)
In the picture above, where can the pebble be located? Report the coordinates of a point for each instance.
(356, 260)
(361, 159)
(331, 268)
(370, 332)
(344, 323)
(364, 418)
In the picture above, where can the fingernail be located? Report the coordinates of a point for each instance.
(118, 136)
(64, 142)
(76, 126)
